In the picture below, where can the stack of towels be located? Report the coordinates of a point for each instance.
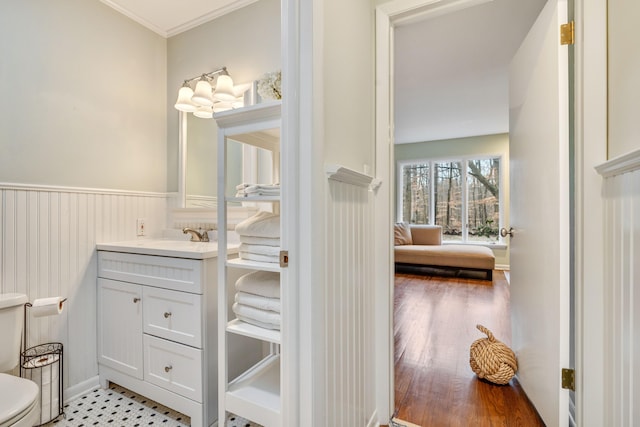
(257, 299)
(248, 190)
(260, 237)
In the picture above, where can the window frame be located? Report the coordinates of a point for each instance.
(464, 160)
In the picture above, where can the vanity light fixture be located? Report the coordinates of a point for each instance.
(201, 101)
(204, 112)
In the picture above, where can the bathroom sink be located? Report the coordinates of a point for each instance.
(166, 247)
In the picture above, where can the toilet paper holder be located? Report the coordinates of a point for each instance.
(43, 364)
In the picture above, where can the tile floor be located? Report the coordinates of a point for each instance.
(118, 406)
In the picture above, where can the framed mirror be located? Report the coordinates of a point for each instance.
(198, 170)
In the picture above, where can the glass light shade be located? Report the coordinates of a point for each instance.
(222, 106)
(183, 103)
(202, 94)
(224, 89)
(204, 112)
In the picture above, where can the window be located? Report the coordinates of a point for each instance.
(461, 195)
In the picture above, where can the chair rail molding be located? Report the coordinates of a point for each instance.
(622, 164)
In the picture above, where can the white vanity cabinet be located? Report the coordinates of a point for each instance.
(157, 328)
(256, 393)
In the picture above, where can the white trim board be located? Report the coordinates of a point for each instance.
(626, 163)
(63, 189)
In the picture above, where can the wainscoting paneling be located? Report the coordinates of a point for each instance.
(621, 193)
(48, 238)
(349, 310)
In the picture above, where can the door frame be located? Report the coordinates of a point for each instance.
(590, 150)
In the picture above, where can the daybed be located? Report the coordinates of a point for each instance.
(422, 245)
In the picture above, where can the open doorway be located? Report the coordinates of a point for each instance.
(394, 31)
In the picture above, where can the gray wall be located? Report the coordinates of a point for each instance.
(624, 84)
(83, 97)
(246, 41)
(347, 96)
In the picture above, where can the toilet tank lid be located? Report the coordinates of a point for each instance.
(11, 300)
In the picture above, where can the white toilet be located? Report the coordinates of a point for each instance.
(19, 404)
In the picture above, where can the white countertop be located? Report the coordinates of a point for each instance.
(167, 247)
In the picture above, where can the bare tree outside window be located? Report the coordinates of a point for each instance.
(483, 207)
(448, 199)
(415, 193)
(466, 197)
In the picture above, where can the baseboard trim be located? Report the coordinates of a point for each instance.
(81, 389)
(373, 420)
(502, 267)
(403, 423)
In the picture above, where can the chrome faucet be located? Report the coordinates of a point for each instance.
(196, 236)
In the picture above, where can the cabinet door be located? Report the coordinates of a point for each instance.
(120, 326)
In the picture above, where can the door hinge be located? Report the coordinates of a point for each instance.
(569, 379)
(567, 33)
(284, 258)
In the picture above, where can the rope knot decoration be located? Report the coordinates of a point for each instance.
(491, 359)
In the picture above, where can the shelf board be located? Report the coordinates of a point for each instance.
(255, 395)
(248, 330)
(254, 265)
(252, 113)
(257, 125)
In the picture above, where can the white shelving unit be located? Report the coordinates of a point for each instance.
(255, 394)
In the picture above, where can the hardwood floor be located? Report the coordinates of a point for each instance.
(435, 324)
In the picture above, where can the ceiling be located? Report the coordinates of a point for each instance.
(451, 71)
(171, 17)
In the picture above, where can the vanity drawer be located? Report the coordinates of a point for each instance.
(174, 367)
(172, 315)
(179, 274)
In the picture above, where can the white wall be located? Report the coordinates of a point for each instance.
(83, 97)
(478, 145)
(83, 109)
(246, 41)
(624, 85)
(339, 100)
(348, 83)
(47, 248)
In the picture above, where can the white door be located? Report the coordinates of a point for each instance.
(539, 212)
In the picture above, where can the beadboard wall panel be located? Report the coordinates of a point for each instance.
(621, 193)
(349, 310)
(48, 238)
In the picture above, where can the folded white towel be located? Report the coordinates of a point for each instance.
(260, 258)
(262, 224)
(245, 190)
(256, 322)
(259, 249)
(264, 283)
(268, 319)
(266, 241)
(245, 186)
(257, 193)
(257, 301)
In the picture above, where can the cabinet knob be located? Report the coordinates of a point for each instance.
(167, 315)
(168, 368)
(136, 299)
